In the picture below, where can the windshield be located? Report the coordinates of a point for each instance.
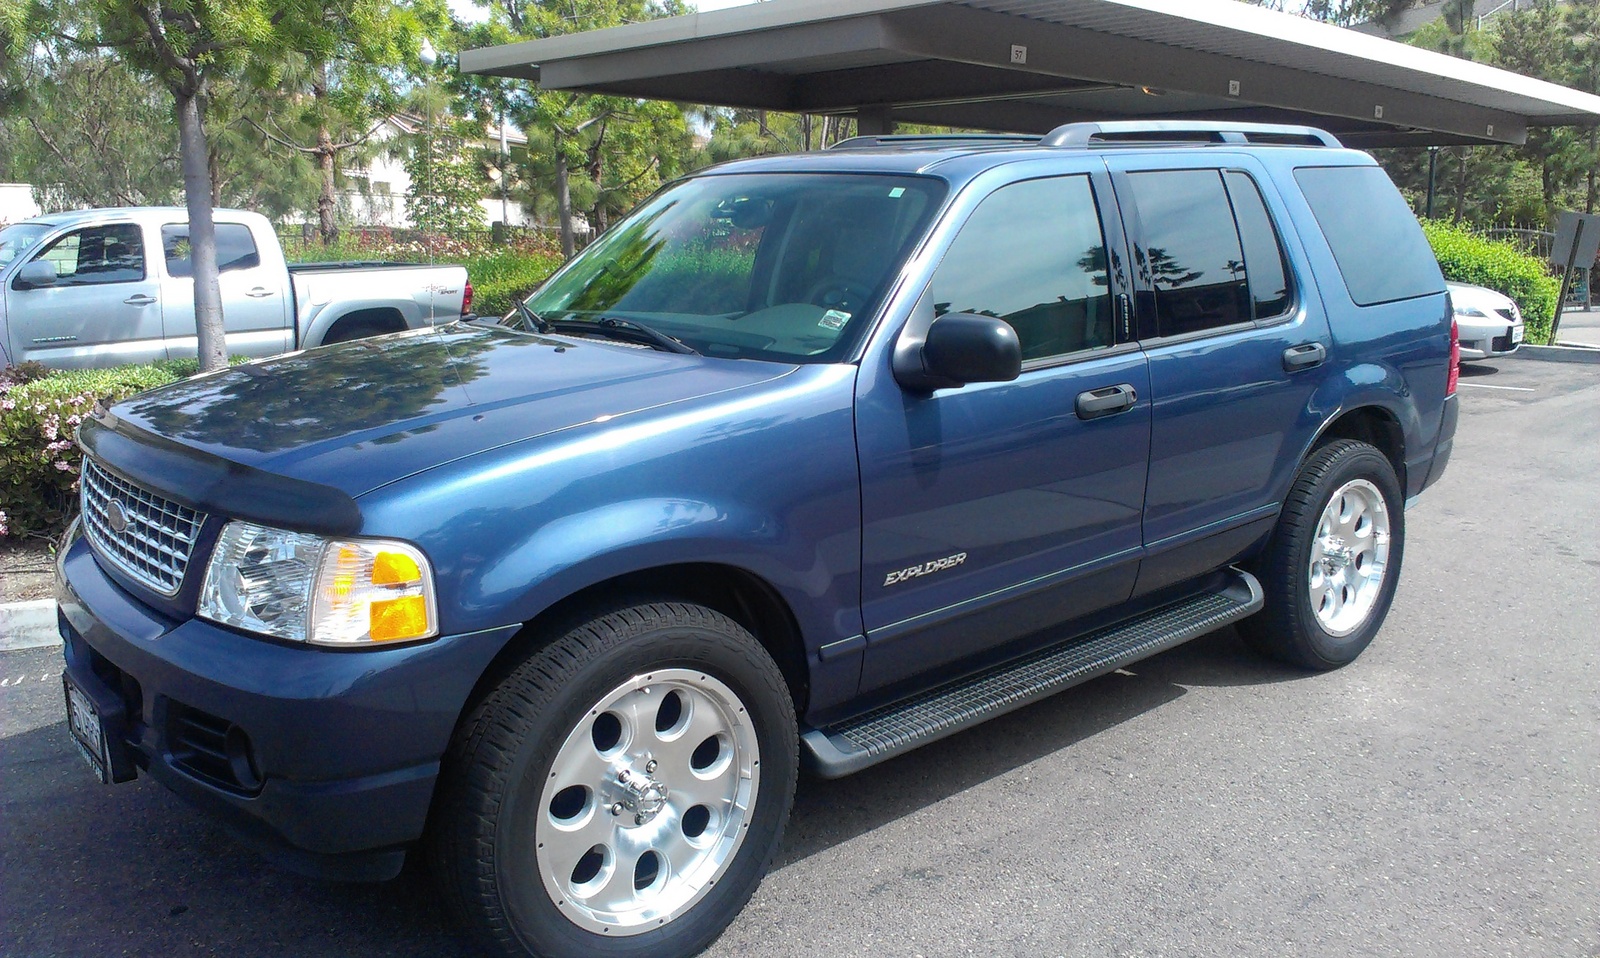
(782, 266)
(16, 240)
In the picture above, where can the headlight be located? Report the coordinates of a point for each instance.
(1472, 311)
(301, 587)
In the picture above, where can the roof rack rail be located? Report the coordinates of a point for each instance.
(1185, 131)
(874, 141)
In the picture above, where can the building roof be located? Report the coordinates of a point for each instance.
(1031, 65)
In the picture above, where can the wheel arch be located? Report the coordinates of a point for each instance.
(389, 319)
(1373, 424)
(741, 595)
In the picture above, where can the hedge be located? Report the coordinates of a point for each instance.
(498, 273)
(39, 409)
(1468, 257)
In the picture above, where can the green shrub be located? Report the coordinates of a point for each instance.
(1468, 257)
(499, 277)
(38, 458)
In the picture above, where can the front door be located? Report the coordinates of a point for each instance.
(995, 509)
(103, 309)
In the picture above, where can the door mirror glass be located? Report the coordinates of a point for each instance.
(35, 275)
(961, 348)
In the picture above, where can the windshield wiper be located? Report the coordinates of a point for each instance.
(531, 319)
(624, 329)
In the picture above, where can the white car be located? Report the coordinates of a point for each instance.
(1490, 323)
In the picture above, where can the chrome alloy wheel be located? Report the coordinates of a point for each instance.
(1349, 557)
(647, 802)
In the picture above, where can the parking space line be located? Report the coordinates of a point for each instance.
(1515, 389)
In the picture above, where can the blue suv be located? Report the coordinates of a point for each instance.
(810, 461)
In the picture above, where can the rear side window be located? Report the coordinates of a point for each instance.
(1266, 268)
(1374, 236)
(236, 248)
(1189, 248)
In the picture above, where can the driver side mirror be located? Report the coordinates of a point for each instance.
(35, 275)
(958, 349)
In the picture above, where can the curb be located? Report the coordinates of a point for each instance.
(1560, 354)
(28, 625)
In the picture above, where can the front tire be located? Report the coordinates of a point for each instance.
(1330, 569)
(622, 791)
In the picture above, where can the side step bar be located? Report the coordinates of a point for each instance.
(882, 734)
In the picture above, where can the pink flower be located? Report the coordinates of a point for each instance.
(63, 465)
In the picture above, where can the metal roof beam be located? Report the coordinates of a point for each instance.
(967, 35)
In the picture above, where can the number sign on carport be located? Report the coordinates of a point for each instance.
(1030, 65)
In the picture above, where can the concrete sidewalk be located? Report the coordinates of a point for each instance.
(1579, 327)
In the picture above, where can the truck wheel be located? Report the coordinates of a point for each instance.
(1330, 568)
(622, 791)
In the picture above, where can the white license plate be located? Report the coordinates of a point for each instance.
(1516, 335)
(88, 731)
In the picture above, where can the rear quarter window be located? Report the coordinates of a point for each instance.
(1375, 239)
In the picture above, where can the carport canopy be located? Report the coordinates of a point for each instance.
(1027, 66)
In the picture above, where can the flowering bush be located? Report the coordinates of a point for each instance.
(39, 412)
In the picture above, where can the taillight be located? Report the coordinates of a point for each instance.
(1455, 358)
(466, 299)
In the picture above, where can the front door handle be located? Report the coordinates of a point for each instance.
(1304, 356)
(139, 299)
(1106, 401)
(260, 292)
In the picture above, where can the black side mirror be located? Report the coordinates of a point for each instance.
(957, 349)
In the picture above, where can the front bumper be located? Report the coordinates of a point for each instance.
(324, 758)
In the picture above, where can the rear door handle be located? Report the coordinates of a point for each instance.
(1304, 356)
(260, 292)
(139, 299)
(1106, 401)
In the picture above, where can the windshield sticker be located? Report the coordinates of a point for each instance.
(897, 192)
(834, 319)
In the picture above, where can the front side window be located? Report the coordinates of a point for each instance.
(1189, 251)
(97, 255)
(236, 248)
(784, 267)
(1034, 255)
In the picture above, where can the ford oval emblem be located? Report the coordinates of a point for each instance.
(116, 518)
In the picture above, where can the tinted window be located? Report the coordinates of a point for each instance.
(1033, 254)
(236, 249)
(1374, 236)
(1266, 268)
(1190, 250)
(97, 255)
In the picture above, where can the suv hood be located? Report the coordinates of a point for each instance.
(359, 415)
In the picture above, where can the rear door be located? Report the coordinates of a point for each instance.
(1236, 351)
(255, 300)
(996, 509)
(103, 309)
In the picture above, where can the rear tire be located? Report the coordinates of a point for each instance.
(1330, 568)
(622, 792)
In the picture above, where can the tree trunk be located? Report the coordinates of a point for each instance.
(564, 201)
(208, 329)
(328, 200)
(1594, 157)
(1463, 180)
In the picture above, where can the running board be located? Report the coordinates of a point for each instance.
(883, 733)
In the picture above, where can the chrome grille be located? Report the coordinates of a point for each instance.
(157, 536)
(1510, 314)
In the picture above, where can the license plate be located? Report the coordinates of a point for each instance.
(88, 731)
(1516, 335)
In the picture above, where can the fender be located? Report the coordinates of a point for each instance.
(320, 318)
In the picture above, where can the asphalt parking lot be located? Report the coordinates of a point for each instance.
(1439, 797)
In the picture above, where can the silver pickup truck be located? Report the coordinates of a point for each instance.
(105, 287)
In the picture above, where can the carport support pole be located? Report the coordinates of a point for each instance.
(874, 121)
(1566, 283)
(1433, 173)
